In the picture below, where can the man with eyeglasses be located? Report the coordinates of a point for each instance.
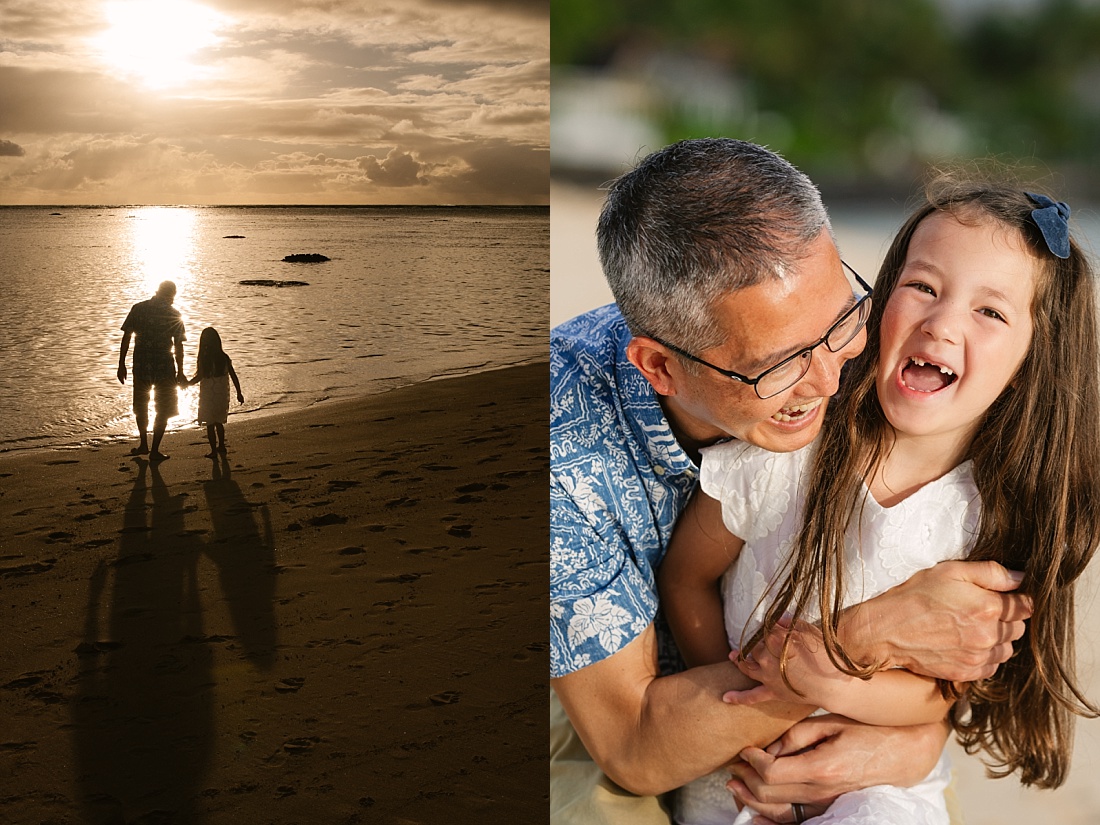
(734, 316)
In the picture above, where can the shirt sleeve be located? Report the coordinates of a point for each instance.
(600, 599)
(131, 320)
(753, 485)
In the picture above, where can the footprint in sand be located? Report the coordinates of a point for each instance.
(447, 697)
(470, 488)
(28, 569)
(292, 684)
(300, 745)
(401, 578)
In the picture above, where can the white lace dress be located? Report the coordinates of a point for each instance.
(762, 500)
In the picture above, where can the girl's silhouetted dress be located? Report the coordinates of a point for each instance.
(215, 368)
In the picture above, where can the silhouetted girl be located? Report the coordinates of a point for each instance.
(214, 370)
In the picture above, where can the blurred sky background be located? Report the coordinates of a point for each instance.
(864, 96)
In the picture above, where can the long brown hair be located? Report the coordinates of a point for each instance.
(212, 360)
(1036, 463)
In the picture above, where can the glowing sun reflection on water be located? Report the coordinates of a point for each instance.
(164, 249)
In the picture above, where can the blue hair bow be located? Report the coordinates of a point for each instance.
(1052, 218)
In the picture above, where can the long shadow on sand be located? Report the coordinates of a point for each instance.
(244, 553)
(143, 715)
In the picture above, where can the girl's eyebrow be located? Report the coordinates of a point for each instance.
(926, 266)
(996, 294)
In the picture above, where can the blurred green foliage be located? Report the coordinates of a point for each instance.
(859, 87)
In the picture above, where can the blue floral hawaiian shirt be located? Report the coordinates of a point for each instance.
(618, 480)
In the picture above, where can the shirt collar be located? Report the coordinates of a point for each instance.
(646, 418)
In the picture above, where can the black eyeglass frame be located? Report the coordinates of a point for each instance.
(754, 382)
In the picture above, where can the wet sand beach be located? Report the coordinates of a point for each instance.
(342, 621)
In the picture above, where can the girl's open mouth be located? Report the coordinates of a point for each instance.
(921, 375)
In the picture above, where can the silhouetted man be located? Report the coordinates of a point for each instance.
(160, 336)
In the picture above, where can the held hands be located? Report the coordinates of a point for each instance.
(822, 757)
(813, 677)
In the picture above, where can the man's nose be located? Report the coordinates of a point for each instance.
(824, 373)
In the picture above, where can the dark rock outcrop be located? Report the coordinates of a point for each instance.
(306, 258)
(267, 282)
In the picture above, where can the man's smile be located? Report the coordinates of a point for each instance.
(795, 412)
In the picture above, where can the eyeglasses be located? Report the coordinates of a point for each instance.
(790, 370)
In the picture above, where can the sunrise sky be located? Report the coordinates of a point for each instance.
(274, 101)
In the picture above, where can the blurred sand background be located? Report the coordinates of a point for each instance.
(577, 285)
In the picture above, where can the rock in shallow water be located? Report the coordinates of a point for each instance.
(267, 282)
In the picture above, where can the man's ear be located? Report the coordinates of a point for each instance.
(652, 360)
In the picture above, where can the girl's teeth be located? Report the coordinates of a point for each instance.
(920, 362)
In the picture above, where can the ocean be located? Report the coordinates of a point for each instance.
(410, 294)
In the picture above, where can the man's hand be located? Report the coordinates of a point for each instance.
(824, 756)
(121, 373)
(954, 621)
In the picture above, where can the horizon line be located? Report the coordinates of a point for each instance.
(274, 205)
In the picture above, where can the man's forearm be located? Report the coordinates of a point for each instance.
(651, 734)
(687, 731)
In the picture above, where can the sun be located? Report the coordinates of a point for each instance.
(154, 42)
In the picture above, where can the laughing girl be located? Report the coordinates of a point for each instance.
(968, 429)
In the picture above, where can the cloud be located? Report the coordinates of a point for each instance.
(496, 169)
(419, 101)
(397, 169)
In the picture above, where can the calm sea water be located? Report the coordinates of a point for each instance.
(410, 294)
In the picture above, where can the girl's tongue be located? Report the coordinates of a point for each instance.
(925, 377)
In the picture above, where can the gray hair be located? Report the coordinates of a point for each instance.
(695, 221)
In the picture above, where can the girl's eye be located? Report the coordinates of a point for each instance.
(991, 313)
(921, 287)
